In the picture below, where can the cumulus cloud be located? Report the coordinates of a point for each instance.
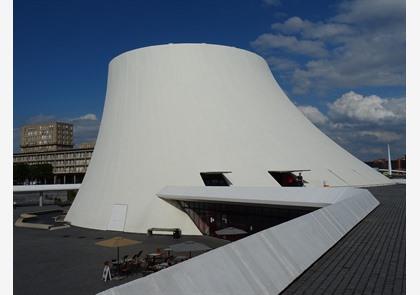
(268, 42)
(371, 11)
(381, 136)
(363, 124)
(371, 108)
(313, 114)
(282, 64)
(85, 128)
(365, 42)
(310, 30)
(90, 117)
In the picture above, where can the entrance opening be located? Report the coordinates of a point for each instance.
(210, 218)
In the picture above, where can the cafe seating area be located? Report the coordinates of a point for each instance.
(144, 264)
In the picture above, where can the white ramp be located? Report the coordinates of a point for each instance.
(263, 263)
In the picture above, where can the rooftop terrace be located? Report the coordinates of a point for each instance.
(370, 259)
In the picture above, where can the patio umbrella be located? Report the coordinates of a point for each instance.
(230, 231)
(189, 246)
(117, 242)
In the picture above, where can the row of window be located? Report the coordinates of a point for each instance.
(71, 163)
(81, 163)
(283, 178)
(69, 170)
(86, 155)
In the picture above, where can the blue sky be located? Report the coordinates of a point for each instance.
(341, 62)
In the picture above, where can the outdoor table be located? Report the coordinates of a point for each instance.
(161, 266)
(154, 254)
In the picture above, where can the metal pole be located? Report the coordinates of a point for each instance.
(41, 196)
(118, 260)
(389, 162)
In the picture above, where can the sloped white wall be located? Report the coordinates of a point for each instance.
(173, 111)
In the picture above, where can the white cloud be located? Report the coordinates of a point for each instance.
(353, 106)
(313, 114)
(365, 42)
(381, 136)
(363, 124)
(368, 11)
(310, 30)
(282, 64)
(85, 128)
(267, 42)
(292, 25)
(91, 117)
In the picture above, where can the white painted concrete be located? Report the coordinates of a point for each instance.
(45, 187)
(280, 196)
(173, 111)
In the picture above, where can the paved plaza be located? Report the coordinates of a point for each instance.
(67, 261)
(368, 260)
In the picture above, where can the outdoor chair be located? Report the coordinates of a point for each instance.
(126, 269)
(135, 263)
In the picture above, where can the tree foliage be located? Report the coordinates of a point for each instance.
(41, 173)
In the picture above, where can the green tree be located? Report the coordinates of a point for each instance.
(41, 172)
(21, 172)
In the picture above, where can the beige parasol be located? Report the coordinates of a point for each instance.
(117, 242)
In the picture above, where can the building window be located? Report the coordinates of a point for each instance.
(215, 179)
(286, 178)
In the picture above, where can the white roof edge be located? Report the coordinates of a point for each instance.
(281, 196)
(45, 187)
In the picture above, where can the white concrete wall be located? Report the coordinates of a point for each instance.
(174, 111)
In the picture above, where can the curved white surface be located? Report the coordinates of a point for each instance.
(173, 111)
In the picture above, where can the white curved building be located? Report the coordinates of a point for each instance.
(175, 111)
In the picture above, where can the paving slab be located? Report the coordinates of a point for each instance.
(370, 259)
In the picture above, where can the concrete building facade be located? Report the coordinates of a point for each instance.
(69, 166)
(52, 143)
(52, 136)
